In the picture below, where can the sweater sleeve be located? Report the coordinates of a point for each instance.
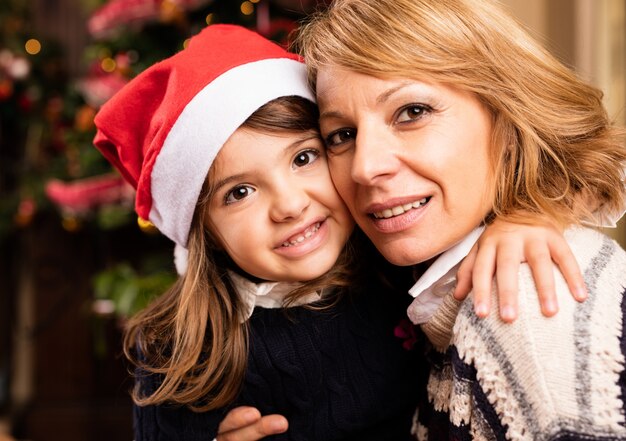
(168, 422)
(538, 378)
(560, 377)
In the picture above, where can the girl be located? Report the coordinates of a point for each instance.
(222, 145)
(266, 211)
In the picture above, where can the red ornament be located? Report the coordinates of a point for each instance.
(405, 330)
(6, 89)
(25, 212)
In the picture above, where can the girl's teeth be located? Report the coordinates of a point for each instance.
(307, 234)
(400, 209)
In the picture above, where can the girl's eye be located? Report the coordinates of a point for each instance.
(339, 137)
(305, 158)
(238, 193)
(412, 113)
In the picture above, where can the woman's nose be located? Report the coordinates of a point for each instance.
(374, 156)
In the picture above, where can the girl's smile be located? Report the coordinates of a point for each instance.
(274, 208)
(304, 242)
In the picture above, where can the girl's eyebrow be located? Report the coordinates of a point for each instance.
(227, 180)
(240, 176)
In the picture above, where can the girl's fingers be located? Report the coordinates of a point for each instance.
(482, 275)
(509, 257)
(258, 429)
(501, 250)
(464, 275)
(540, 261)
(564, 257)
(239, 417)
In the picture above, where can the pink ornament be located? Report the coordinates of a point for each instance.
(99, 86)
(120, 13)
(81, 196)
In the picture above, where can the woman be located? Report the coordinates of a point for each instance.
(440, 116)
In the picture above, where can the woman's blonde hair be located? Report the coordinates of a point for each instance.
(194, 337)
(557, 154)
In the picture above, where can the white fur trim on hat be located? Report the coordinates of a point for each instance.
(181, 257)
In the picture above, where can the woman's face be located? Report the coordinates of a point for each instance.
(409, 158)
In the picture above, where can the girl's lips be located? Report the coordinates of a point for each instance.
(305, 242)
(298, 238)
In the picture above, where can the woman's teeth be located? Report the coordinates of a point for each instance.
(400, 209)
(310, 231)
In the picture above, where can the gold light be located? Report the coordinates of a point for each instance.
(33, 46)
(108, 64)
(247, 8)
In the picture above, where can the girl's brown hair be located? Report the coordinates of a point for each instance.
(194, 337)
(556, 152)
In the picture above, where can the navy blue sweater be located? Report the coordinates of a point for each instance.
(335, 374)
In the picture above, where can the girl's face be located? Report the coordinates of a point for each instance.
(275, 210)
(409, 158)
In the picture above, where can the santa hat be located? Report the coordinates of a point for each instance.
(164, 128)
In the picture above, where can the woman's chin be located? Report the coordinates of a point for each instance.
(401, 256)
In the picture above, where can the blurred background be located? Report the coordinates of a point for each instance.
(74, 260)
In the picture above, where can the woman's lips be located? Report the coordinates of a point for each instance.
(399, 209)
(399, 217)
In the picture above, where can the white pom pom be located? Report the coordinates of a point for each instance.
(181, 256)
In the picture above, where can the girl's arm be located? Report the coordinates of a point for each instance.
(246, 424)
(500, 250)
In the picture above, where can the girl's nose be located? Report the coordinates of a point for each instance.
(289, 203)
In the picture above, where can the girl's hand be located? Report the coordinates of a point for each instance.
(500, 250)
(246, 424)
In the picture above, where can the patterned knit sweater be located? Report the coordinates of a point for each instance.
(335, 374)
(559, 378)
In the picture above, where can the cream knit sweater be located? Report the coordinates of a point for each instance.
(545, 378)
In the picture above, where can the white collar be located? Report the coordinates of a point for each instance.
(266, 294)
(441, 273)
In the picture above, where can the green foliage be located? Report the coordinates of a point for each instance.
(129, 291)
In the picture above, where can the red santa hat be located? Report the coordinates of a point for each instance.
(164, 128)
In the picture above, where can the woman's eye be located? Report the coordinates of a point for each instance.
(412, 113)
(340, 136)
(238, 193)
(305, 158)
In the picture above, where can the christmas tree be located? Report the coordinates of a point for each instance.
(51, 115)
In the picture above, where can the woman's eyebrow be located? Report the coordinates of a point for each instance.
(380, 99)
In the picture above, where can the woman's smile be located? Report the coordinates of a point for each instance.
(411, 159)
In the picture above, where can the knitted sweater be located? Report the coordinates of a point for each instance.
(335, 374)
(559, 378)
